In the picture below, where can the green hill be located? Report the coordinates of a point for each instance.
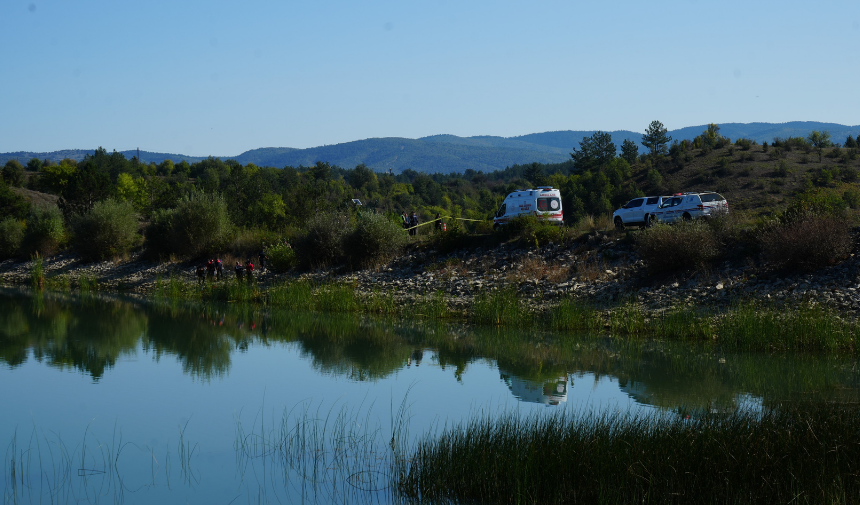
(450, 153)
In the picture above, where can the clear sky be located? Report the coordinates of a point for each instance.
(221, 77)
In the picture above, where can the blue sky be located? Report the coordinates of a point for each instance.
(214, 77)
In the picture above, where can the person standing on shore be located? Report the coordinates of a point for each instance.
(413, 222)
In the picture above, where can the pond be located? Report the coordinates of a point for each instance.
(127, 400)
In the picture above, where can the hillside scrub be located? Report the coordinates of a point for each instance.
(375, 240)
(677, 247)
(322, 243)
(198, 225)
(11, 236)
(107, 231)
(45, 232)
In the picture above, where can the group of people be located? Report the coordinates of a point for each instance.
(410, 223)
(214, 269)
(244, 271)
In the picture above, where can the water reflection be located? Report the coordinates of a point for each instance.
(93, 335)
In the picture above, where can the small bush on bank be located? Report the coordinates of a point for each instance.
(677, 247)
(107, 231)
(322, 243)
(282, 257)
(198, 225)
(45, 232)
(374, 241)
(11, 236)
(534, 231)
(806, 241)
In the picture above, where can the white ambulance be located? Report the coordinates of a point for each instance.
(544, 202)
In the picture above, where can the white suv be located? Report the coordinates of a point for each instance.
(638, 211)
(689, 206)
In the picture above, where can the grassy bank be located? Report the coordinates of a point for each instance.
(745, 326)
(792, 455)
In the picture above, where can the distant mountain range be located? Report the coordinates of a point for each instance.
(449, 153)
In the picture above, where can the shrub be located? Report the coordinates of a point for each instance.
(744, 144)
(534, 231)
(680, 246)
(282, 257)
(852, 198)
(106, 231)
(848, 174)
(11, 236)
(322, 243)
(815, 201)
(45, 232)
(198, 225)
(374, 241)
(781, 169)
(808, 241)
(13, 173)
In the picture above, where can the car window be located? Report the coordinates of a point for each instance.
(712, 197)
(548, 204)
(634, 203)
(502, 210)
(652, 200)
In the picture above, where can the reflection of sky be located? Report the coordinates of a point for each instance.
(145, 402)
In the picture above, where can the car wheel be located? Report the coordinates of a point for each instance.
(687, 217)
(650, 220)
(619, 224)
(495, 227)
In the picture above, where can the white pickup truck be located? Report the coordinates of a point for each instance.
(689, 206)
(638, 211)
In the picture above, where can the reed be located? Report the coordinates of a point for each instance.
(37, 273)
(571, 314)
(501, 307)
(297, 295)
(797, 455)
(754, 326)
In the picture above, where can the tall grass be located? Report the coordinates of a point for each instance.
(796, 455)
(501, 307)
(37, 273)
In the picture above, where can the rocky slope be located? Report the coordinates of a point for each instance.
(603, 270)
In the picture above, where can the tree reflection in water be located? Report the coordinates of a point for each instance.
(92, 334)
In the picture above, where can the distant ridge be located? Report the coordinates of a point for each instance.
(450, 153)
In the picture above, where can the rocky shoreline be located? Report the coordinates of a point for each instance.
(603, 270)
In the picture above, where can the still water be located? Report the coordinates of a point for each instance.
(125, 401)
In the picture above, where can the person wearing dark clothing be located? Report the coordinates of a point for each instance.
(210, 269)
(413, 222)
(263, 258)
(240, 271)
(201, 274)
(438, 223)
(219, 269)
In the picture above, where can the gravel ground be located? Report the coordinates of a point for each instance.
(603, 270)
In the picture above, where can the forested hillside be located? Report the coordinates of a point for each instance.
(451, 154)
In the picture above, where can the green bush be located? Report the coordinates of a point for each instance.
(107, 231)
(282, 257)
(534, 231)
(198, 225)
(322, 243)
(45, 232)
(852, 198)
(11, 236)
(13, 173)
(677, 247)
(375, 240)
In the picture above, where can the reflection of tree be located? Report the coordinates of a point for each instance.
(88, 337)
(91, 336)
(202, 344)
